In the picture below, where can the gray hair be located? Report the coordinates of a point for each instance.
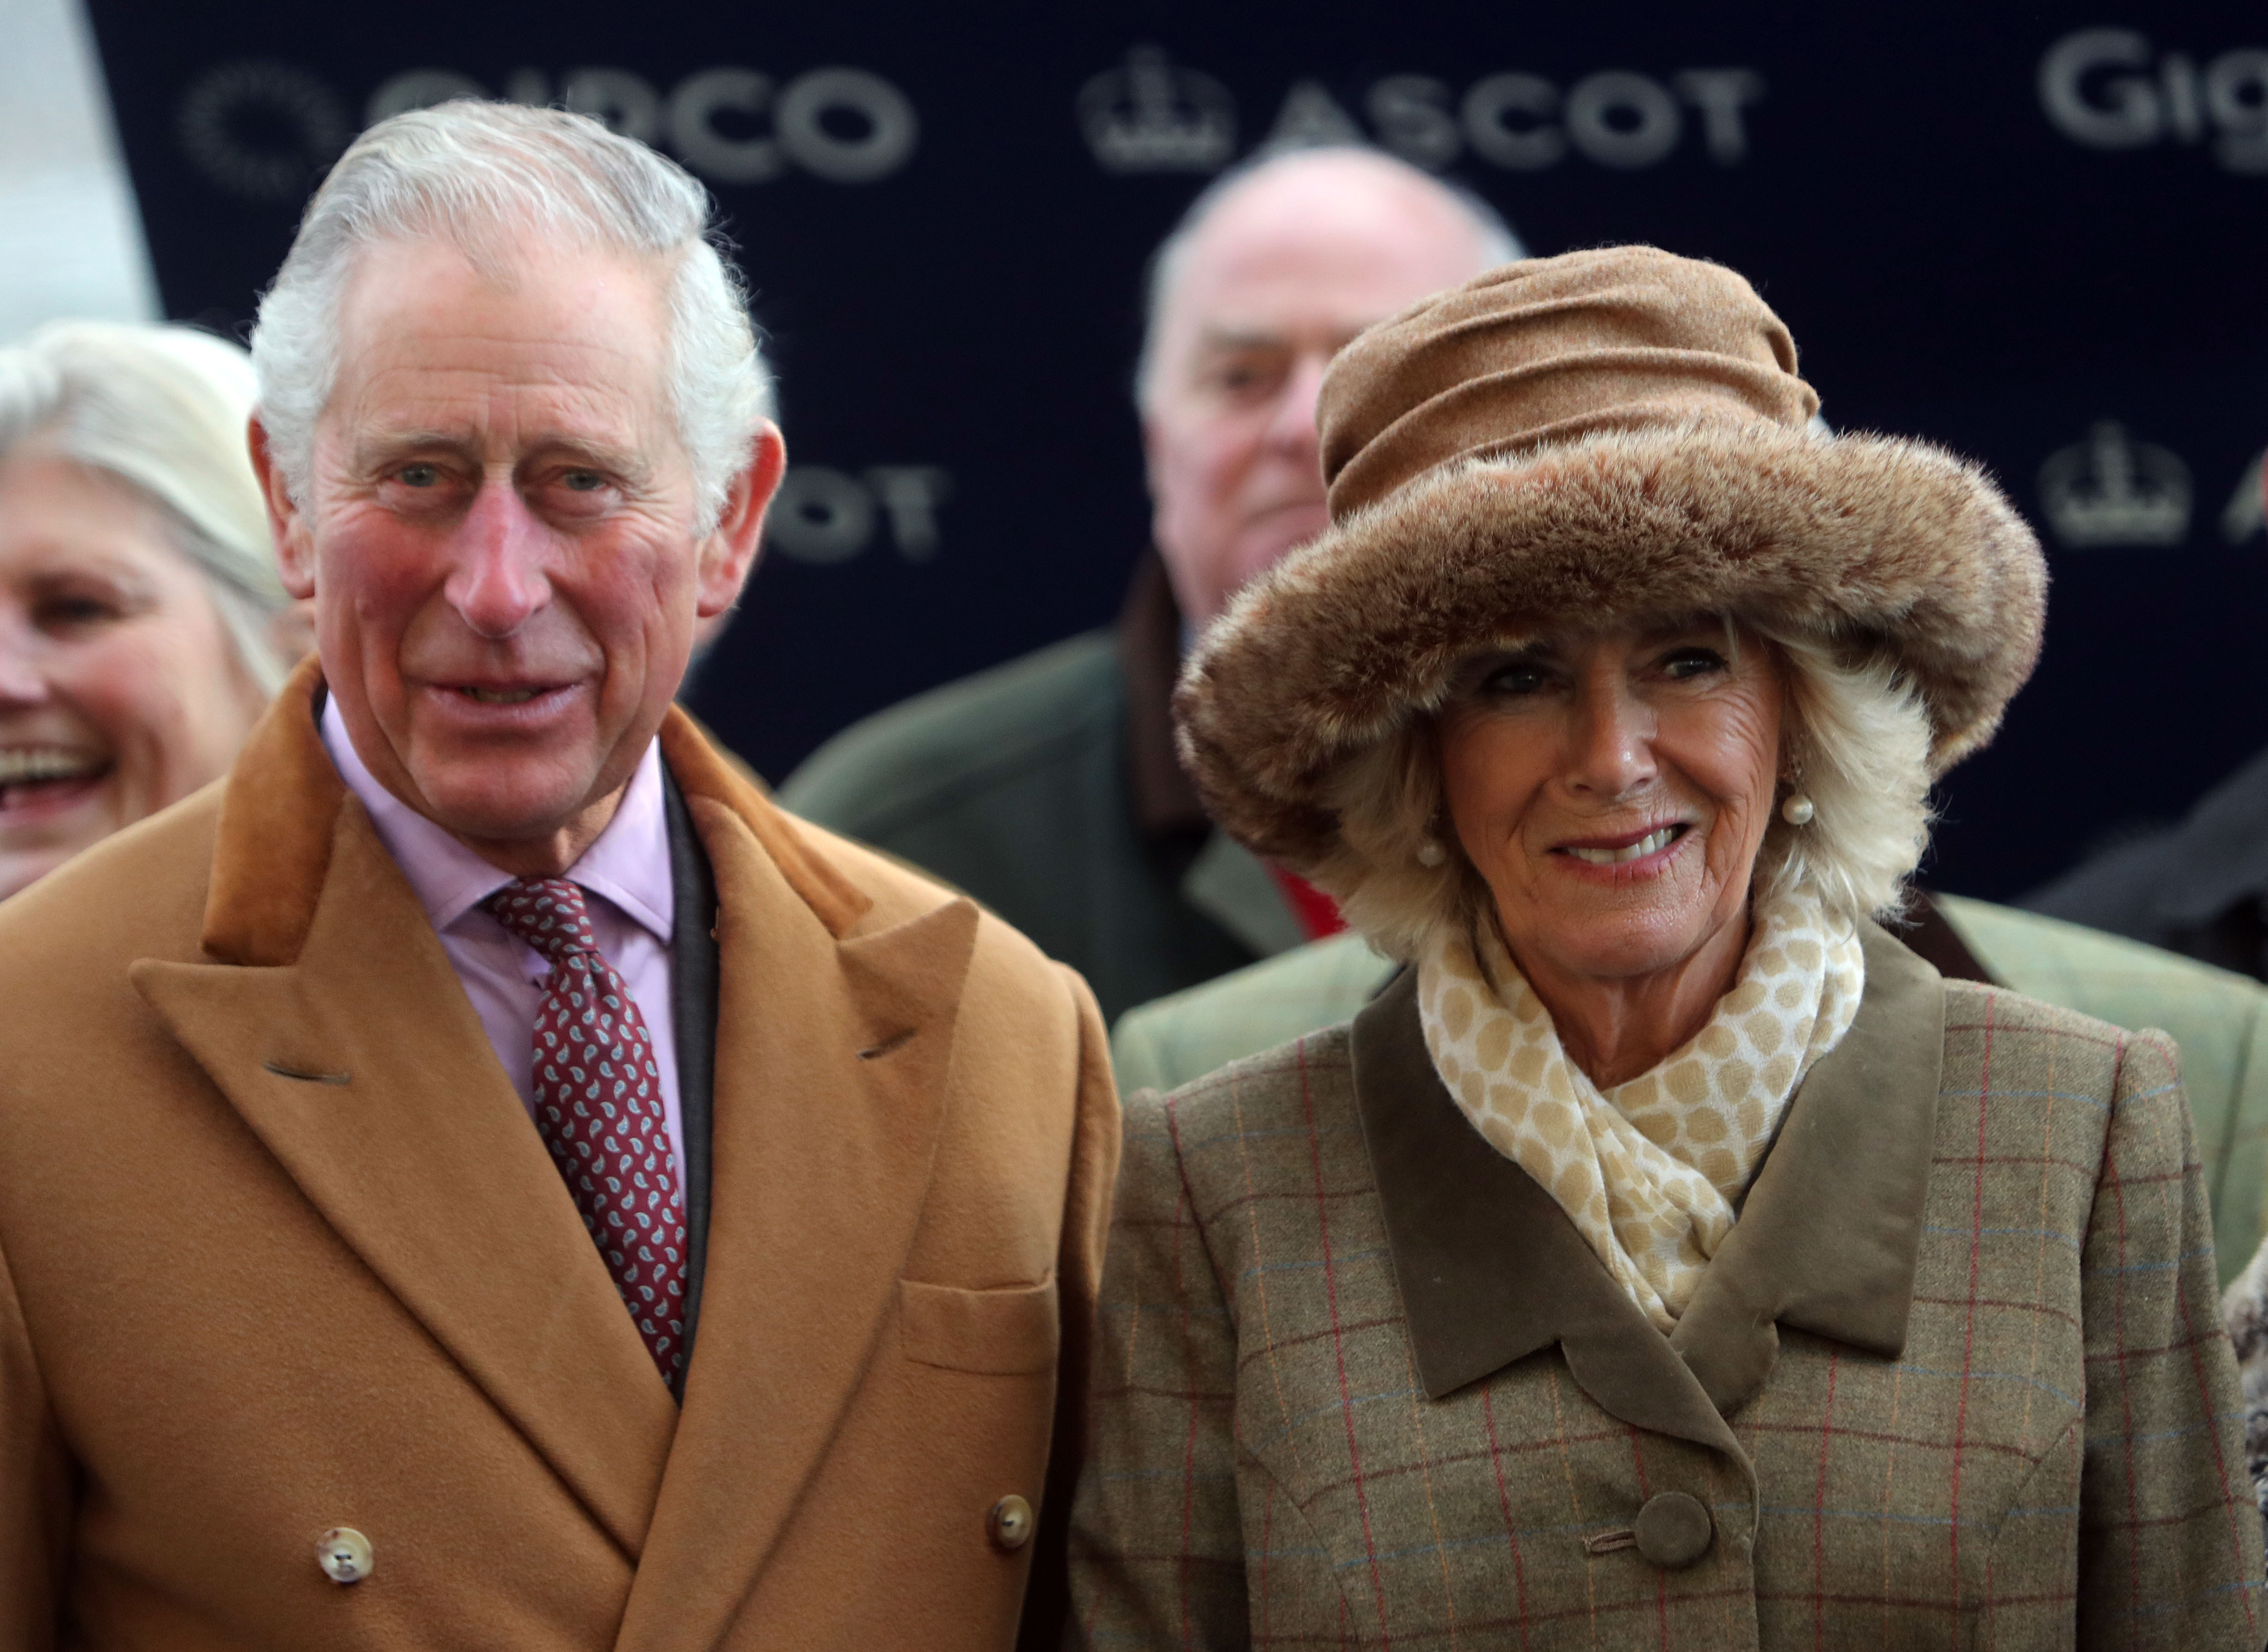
(163, 409)
(1496, 243)
(1855, 733)
(480, 175)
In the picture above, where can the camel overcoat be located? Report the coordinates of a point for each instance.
(1955, 1378)
(281, 1252)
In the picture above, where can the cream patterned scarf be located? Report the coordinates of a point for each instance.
(1647, 1172)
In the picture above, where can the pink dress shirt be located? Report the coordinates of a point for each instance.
(627, 869)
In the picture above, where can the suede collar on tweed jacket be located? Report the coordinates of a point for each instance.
(1490, 1269)
(1649, 1173)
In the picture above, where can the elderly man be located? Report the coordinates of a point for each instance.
(316, 1089)
(1047, 788)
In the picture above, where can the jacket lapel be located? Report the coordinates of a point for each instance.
(1830, 1232)
(1828, 1240)
(362, 1068)
(334, 1025)
(833, 1040)
(1490, 1270)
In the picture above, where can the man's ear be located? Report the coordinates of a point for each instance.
(287, 523)
(1149, 459)
(729, 553)
(1151, 442)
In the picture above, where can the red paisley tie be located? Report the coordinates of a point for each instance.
(597, 1107)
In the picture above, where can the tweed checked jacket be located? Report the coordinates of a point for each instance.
(1955, 1379)
(2218, 1018)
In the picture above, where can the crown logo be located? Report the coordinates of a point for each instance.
(2112, 489)
(1152, 117)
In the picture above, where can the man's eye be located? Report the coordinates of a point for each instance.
(1238, 376)
(418, 475)
(585, 481)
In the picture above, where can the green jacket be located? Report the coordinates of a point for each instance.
(1950, 1382)
(2220, 1020)
(1019, 787)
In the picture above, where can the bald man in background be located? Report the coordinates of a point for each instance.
(1047, 786)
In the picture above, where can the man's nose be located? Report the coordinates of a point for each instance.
(498, 581)
(1292, 429)
(1612, 753)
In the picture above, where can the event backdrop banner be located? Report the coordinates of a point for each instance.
(2036, 234)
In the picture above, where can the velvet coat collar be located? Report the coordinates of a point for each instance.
(1492, 1271)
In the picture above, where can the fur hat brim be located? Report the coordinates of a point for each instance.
(1874, 541)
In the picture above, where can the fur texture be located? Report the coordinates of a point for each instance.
(1865, 541)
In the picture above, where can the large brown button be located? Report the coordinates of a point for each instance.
(1010, 1524)
(1673, 1530)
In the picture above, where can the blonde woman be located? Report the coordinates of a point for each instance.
(1669, 1257)
(142, 624)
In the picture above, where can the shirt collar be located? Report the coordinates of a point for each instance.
(627, 863)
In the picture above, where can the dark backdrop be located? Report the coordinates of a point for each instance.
(2035, 233)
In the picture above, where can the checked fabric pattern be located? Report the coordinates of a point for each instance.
(597, 1107)
(2054, 1461)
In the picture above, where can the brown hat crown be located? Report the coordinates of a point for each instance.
(1623, 338)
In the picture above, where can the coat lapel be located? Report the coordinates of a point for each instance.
(362, 1068)
(1490, 1270)
(833, 1040)
(1828, 1240)
(1830, 1232)
(336, 1026)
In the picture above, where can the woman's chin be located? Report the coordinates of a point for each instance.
(1613, 946)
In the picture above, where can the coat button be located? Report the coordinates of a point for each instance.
(344, 1555)
(1673, 1530)
(1010, 1524)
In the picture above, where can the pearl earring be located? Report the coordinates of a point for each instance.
(1798, 810)
(1430, 853)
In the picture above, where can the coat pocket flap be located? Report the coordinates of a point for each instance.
(999, 1333)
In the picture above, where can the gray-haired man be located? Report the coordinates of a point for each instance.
(1047, 788)
(480, 1175)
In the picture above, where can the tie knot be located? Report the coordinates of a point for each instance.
(547, 913)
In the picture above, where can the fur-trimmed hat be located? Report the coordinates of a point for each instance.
(1611, 433)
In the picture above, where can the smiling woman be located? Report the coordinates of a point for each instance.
(1610, 703)
(1612, 790)
(142, 624)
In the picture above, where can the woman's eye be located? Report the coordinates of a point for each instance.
(68, 612)
(1515, 681)
(1688, 663)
